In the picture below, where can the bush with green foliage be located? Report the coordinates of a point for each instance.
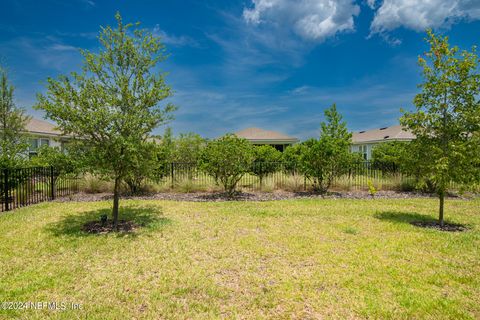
(164, 154)
(323, 160)
(266, 161)
(187, 148)
(389, 156)
(62, 161)
(145, 169)
(227, 160)
(291, 159)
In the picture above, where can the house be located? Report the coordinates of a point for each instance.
(364, 141)
(259, 136)
(43, 133)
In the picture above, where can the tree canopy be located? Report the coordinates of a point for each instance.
(13, 138)
(266, 161)
(112, 106)
(446, 118)
(227, 159)
(328, 157)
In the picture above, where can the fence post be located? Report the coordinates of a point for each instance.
(5, 188)
(52, 183)
(172, 175)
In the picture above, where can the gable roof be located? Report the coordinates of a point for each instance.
(383, 134)
(257, 134)
(42, 127)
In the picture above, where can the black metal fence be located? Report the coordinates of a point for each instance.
(282, 175)
(25, 186)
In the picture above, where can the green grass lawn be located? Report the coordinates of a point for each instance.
(303, 259)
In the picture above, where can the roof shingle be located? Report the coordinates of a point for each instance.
(260, 134)
(42, 127)
(383, 134)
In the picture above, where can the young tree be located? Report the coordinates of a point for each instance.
(187, 148)
(227, 159)
(266, 161)
(389, 156)
(329, 157)
(291, 158)
(444, 121)
(13, 139)
(112, 106)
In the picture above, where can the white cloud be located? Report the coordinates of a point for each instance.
(46, 53)
(419, 15)
(89, 2)
(314, 20)
(178, 41)
(63, 47)
(371, 3)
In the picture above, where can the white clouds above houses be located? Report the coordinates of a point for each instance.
(318, 20)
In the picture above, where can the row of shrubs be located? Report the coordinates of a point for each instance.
(227, 160)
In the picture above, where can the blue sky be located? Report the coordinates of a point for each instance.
(274, 64)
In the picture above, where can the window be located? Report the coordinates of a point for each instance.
(363, 151)
(37, 143)
(44, 142)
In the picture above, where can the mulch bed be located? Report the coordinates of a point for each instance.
(99, 227)
(248, 196)
(449, 227)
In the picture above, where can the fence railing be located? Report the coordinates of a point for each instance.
(282, 175)
(25, 186)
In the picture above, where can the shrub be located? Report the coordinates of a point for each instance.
(92, 184)
(266, 161)
(187, 148)
(145, 168)
(388, 156)
(291, 159)
(227, 160)
(371, 189)
(329, 157)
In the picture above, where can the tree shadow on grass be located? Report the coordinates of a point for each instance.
(403, 217)
(142, 218)
(419, 220)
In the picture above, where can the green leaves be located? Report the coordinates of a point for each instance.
(64, 163)
(266, 160)
(447, 110)
(390, 155)
(328, 157)
(187, 148)
(13, 139)
(446, 120)
(112, 106)
(227, 159)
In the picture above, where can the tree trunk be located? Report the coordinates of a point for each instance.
(440, 213)
(116, 200)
